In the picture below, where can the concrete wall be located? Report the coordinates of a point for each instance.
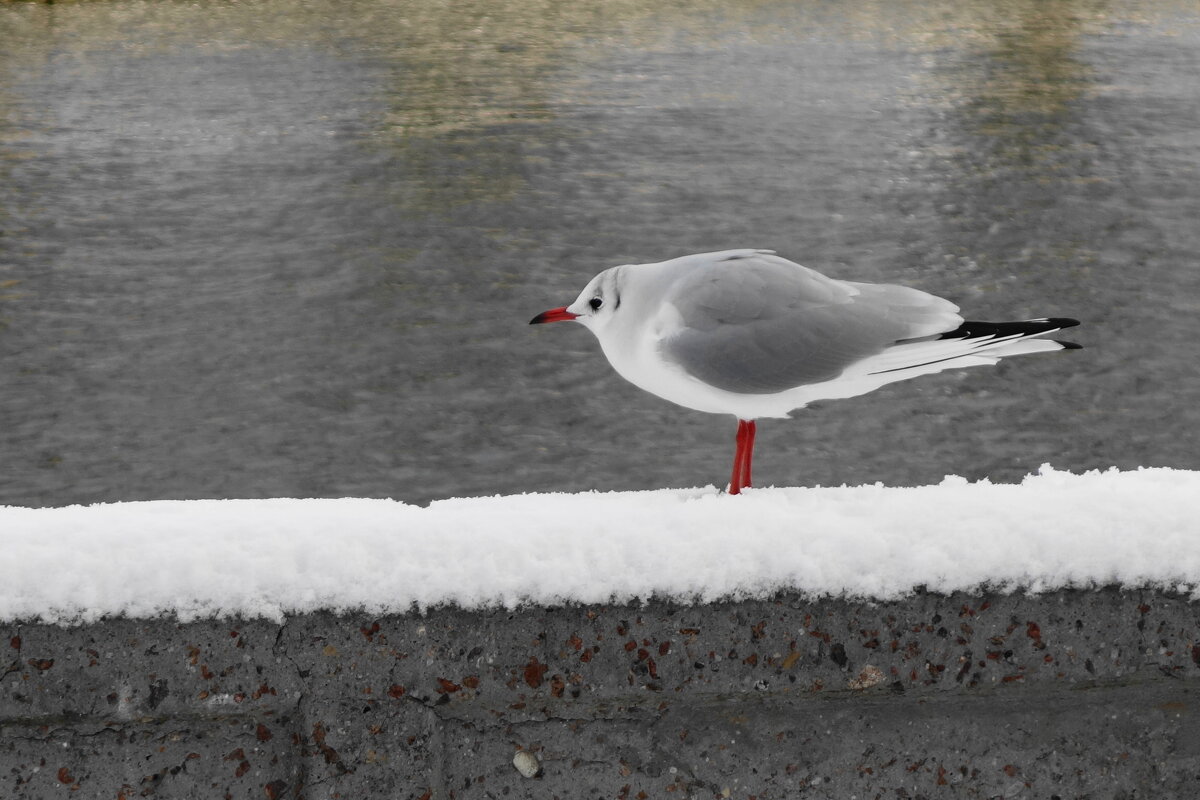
(1069, 694)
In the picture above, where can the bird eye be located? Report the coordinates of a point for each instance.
(595, 303)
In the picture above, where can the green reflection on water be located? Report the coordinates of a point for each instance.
(1019, 74)
(468, 84)
(1015, 149)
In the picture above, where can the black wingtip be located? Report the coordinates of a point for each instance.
(1029, 327)
(1063, 322)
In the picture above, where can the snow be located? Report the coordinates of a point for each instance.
(271, 558)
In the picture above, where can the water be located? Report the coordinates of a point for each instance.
(290, 249)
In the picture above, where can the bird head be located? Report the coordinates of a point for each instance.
(594, 306)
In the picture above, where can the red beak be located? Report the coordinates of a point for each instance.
(553, 315)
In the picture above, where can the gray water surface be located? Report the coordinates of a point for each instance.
(290, 249)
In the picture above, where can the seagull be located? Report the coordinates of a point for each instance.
(748, 333)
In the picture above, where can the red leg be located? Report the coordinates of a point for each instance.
(740, 478)
(748, 454)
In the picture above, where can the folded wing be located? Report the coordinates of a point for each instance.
(755, 323)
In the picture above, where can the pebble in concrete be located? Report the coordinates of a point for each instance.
(527, 764)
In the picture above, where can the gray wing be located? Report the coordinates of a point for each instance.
(754, 323)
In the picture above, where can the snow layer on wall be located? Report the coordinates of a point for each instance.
(269, 558)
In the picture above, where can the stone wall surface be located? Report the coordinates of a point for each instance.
(1069, 694)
